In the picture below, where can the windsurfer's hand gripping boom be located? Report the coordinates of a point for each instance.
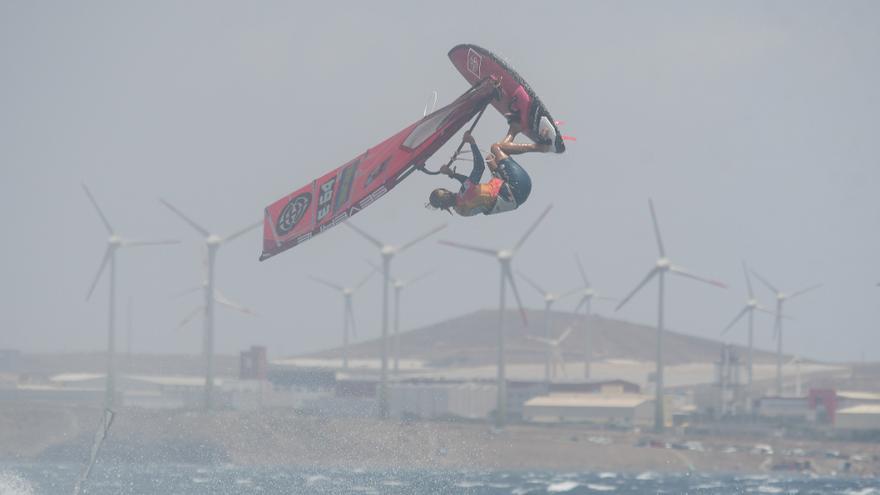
(507, 190)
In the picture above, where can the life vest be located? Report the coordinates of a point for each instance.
(485, 198)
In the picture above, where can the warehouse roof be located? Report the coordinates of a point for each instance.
(856, 395)
(861, 409)
(589, 400)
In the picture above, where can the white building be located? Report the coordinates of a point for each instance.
(615, 409)
(438, 400)
(865, 417)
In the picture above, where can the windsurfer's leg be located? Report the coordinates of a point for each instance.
(509, 147)
(498, 152)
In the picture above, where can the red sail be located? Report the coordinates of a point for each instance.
(339, 194)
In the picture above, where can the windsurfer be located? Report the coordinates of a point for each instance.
(508, 189)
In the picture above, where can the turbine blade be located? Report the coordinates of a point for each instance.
(644, 281)
(735, 319)
(185, 218)
(564, 335)
(532, 283)
(149, 243)
(98, 209)
(364, 280)
(765, 282)
(539, 339)
(679, 270)
(515, 291)
(107, 254)
(656, 229)
(804, 291)
(421, 238)
(533, 227)
(188, 291)
(764, 310)
(328, 284)
(225, 301)
(748, 280)
(569, 293)
(192, 314)
(490, 252)
(241, 232)
(365, 235)
(376, 268)
(419, 278)
(582, 271)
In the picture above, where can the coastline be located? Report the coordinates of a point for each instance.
(35, 433)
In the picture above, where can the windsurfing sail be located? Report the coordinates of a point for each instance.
(341, 193)
(100, 436)
(516, 96)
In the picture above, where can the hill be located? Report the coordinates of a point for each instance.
(471, 339)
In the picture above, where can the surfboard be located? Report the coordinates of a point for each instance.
(476, 64)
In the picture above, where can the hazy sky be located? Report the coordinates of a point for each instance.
(753, 125)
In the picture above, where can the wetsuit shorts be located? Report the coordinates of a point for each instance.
(517, 178)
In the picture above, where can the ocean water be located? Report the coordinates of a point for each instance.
(51, 479)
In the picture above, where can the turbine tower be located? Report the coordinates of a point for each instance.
(387, 251)
(114, 243)
(398, 284)
(662, 267)
(213, 242)
(505, 258)
(554, 351)
(347, 310)
(586, 302)
(550, 298)
(781, 297)
(750, 307)
(796, 361)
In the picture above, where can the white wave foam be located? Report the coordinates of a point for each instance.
(562, 487)
(600, 488)
(769, 489)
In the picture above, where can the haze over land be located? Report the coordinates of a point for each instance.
(752, 125)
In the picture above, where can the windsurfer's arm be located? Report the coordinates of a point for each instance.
(479, 165)
(453, 174)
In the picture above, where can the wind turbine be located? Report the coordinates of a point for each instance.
(662, 267)
(586, 302)
(347, 311)
(554, 350)
(114, 243)
(549, 299)
(505, 258)
(781, 297)
(398, 284)
(796, 361)
(387, 251)
(750, 307)
(213, 242)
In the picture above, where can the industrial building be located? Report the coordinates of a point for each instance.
(625, 410)
(862, 418)
(442, 400)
